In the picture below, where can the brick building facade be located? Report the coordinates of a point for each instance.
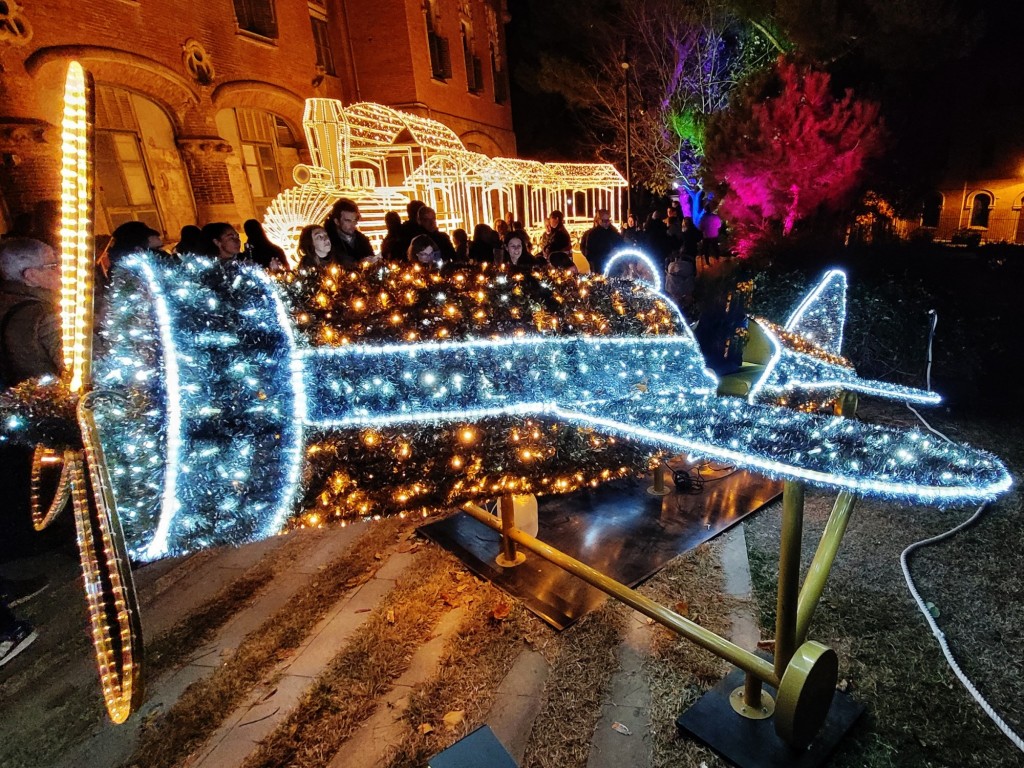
(199, 105)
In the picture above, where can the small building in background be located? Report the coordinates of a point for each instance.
(972, 212)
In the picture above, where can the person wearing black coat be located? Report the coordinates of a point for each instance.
(600, 242)
(349, 246)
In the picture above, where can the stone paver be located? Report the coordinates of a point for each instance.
(745, 630)
(517, 702)
(271, 705)
(275, 597)
(628, 703)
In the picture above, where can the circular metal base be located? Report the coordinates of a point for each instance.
(805, 694)
(655, 492)
(763, 712)
(505, 563)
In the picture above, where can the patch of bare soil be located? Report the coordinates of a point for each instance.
(918, 714)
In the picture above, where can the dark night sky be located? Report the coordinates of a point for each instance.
(955, 109)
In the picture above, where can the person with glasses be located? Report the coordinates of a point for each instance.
(423, 250)
(349, 246)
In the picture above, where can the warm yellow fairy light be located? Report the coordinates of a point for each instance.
(76, 228)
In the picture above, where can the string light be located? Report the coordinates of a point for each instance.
(75, 231)
(354, 149)
(383, 425)
(629, 256)
(806, 353)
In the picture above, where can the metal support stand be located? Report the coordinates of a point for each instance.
(509, 556)
(659, 488)
(803, 673)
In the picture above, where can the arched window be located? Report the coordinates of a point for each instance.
(931, 210)
(256, 135)
(981, 206)
(123, 177)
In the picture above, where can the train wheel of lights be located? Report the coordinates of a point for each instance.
(46, 461)
(805, 694)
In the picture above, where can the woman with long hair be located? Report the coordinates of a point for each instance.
(221, 241)
(260, 250)
(314, 247)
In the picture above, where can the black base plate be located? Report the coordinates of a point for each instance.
(754, 743)
(619, 529)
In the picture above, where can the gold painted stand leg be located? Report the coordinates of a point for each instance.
(510, 556)
(751, 701)
(746, 660)
(821, 566)
(659, 488)
(789, 574)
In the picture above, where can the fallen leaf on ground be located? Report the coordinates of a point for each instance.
(404, 547)
(621, 728)
(683, 608)
(454, 718)
(425, 728)
(501, 611)
(766, 645)
(378, 556)
(391, 616)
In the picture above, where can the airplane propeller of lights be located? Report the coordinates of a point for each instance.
(212, 345)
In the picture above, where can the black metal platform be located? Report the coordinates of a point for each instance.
(619, 529)
(754, 743)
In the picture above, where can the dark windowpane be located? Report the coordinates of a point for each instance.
(932, 211)
(980, 210)
(257, 16)
(322, 41)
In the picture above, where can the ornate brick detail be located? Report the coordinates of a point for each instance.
(204, 158)
(197, 61)
(16, 134)
(14, 27)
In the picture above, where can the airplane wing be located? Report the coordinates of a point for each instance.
(833, 452)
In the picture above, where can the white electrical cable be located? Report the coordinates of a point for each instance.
(904, 564)
(1000, 723)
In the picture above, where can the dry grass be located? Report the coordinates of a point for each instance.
(173, 646)
(678, 671)
(472, 665)
(585, 659)
(204, 705)
(347, 692)
(917, 713)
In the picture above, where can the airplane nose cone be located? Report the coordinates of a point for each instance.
(205, 446)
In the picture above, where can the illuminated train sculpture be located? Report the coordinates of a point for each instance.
(218, 395)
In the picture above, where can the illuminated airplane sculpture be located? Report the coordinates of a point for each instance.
(209, 389)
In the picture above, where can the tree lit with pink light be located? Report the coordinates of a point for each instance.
(790, 148)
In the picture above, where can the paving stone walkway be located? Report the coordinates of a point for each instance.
(171, 590)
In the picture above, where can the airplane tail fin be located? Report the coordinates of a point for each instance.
(821, 316)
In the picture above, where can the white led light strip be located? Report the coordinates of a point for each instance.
(172, 382)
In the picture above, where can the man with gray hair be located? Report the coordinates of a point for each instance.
(29, 295)
(29, 347)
